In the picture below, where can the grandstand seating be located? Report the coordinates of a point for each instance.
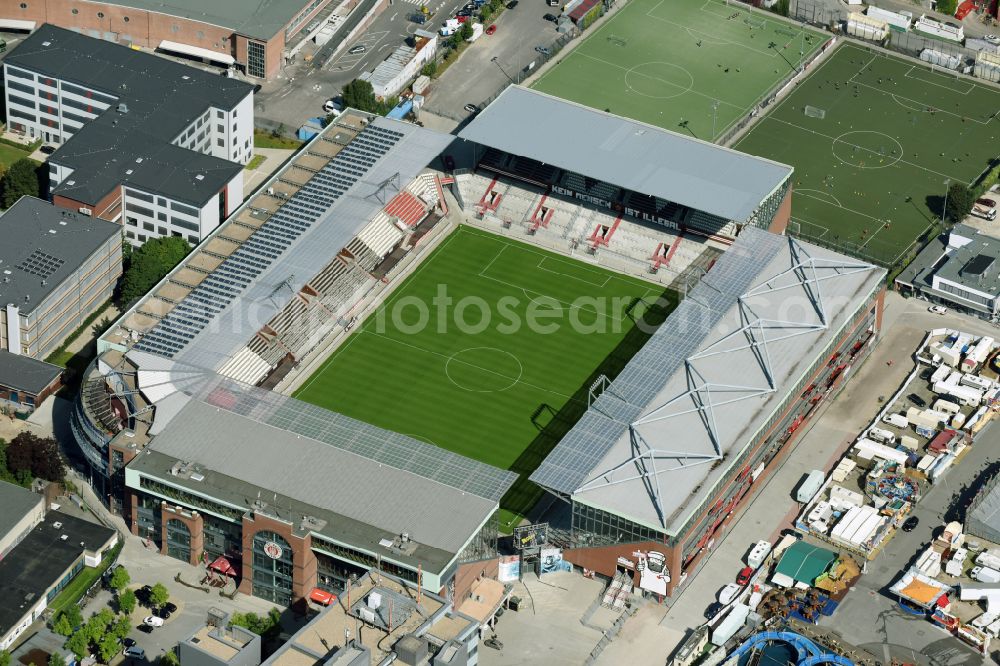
(571, 225)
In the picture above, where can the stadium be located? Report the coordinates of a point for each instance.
(404, 447)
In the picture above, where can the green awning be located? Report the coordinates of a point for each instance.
(804, 563)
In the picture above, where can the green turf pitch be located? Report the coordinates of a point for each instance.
(667, 63)
(872, 172)
(500, 393)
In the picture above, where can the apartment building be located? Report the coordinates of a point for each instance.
(56, 268)
(152, 144)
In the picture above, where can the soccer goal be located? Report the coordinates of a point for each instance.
(815, 112)
(617, 41)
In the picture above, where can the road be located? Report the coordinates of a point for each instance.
(299, 92)
(475, 78)
(866, 617)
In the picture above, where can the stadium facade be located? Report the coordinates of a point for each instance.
(636, 170)
(286, 496)
(670, 449)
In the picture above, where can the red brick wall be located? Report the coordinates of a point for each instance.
(784, 214)
(303, 560)
(195, 524)
(469, 572)
(145, 28)
(107, 203)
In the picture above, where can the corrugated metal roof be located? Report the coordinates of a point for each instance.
(630, 154)
(703, 344)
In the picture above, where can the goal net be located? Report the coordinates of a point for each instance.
(815, 112)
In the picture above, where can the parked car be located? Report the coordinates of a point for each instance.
(461, 19)
(910, 524)
(543, 50)
(471, 108)
(712, 610)
(512, 4)
(331, 105)
(993, 39)
(982, 201)
(463, 12)
(145, 628)
(355, 50)
(743, 577)
(47, 150)
(917, 400)
(152, 621)
(938, 309)
(170, 606)
(551, 17)
(143, 594)
(134, 652)
(492, 29)
(128, 642)
(162, 613)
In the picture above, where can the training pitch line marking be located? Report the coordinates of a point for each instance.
(923, 105)
(939, 74)
(655, 78)
(846, 143)
(607, 278)
(800, 190)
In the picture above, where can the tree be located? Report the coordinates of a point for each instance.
(120, 579)
(126, 601)
(37, 455)
(4, 658)
(107, 648)
(430, 69)
(20, 180)
(97, 626)
(947, 6)
(120, 627)
(62, 626)
(56, 659)
(159, 595)
(960, 201)
(149, 264)
(78, 644)
(485, 14)
(267, 626)
(169, 658)
(360, 95)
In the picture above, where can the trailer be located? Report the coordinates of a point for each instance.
(975, 357)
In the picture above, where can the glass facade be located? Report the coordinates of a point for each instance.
(332, 574)
(178, 540)
(272, 568)
(147, 518)
(222, 538)
(594, 527)
(363, 559)
(255, 59)
(484, 544)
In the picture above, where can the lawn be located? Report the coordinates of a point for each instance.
(9, 154)
(487, 350)
(670, 63)
(871, 173)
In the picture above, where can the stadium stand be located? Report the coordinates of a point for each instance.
(572, 226)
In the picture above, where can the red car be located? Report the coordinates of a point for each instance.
(490, 30)
(989, 203)
(743, 577)
(461, 19)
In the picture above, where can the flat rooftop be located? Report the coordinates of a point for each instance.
(37, 563)
(262, 20)
(653, 446)
(43, 246)
(162, 97)
(633, 155)
(221, 642)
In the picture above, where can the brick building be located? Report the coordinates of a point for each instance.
(253, 37)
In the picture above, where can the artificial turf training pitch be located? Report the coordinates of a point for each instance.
(669, 62)
(870, 175)
(502, 393)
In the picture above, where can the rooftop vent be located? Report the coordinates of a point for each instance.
(63, 537)
(138, 160)
(128, 172)
(122, 107)
(199, 177)
(57, 525)
(197, 476)
(46, 43)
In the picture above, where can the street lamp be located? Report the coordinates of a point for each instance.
(495, 62)
(944, 209)
(715, 114)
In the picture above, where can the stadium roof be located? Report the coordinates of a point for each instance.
(696, 395)
(262, 19)
(627, 153)
(378, 483)
(983, 517)
(261, 276)
(43, 246)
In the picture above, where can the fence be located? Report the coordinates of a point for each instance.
(878, 255)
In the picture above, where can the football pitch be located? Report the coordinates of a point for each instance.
(881, 140)
(488, 350)
(692, 66)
